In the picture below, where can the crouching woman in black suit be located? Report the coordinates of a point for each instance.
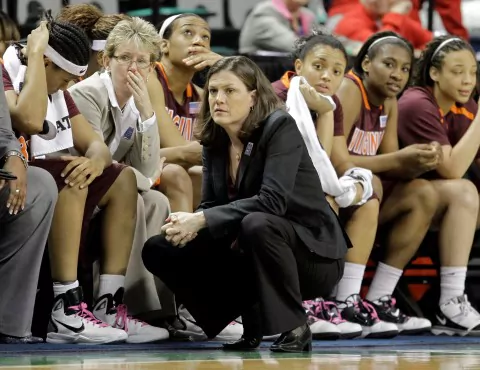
(264, 237)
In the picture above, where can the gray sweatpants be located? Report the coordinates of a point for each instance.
(22, 243)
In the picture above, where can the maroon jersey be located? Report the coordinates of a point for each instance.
(420, 119)
(183, 115)
(281, 89)
(369, 127)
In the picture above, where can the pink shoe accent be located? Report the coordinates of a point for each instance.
(121, 321)
(87, 315)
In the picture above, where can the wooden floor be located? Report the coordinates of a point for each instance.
(351, 359)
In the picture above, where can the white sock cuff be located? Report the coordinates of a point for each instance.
(354, 269)
(61, 288)
(455, 270)
(390, 269)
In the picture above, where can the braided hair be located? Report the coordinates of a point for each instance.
(70, 41)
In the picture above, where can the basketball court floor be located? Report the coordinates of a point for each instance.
(402, 353)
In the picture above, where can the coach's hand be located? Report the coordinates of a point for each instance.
(182, 227)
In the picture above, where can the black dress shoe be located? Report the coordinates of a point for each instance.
(296, 340)
(6, 339)
(243, 344)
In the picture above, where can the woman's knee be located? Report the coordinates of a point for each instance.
(155, 251)
(127, 181)
(255, 224)
(423, 195)
(459, 192)
(176, 178)
(367, 214)
(69, 193)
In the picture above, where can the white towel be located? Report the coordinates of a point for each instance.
(57, 111)
(298, 109)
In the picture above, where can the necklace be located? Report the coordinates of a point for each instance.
(237, 153)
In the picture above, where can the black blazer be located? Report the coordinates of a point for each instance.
(276, 176)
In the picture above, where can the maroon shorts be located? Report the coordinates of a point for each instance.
(96, 191)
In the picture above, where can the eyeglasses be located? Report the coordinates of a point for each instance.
(127, 60)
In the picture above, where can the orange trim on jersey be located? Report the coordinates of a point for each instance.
(23, 147)
(286, 78)
(1, 60)
(362, 89)
(463, 111)
(159, 66)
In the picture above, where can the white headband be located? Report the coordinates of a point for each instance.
(443, 44)
(64, 64)
(167, 23)
(98, 45)
(381, 39)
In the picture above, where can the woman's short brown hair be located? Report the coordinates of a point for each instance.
(251, 75)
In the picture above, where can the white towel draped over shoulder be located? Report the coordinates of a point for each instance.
(57, 111)
(343, 189)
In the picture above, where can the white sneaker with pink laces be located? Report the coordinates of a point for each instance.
(321, 329)
(71, 322)
(327, 310)
(111, 310)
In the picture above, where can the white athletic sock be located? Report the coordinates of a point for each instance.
(351, 281)
(384, 282)
(109, 284)
(61, 288)
(452, 282)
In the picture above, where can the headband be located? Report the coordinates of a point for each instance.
(167, 23)
(98, 45)
(381, 39)
(63, 63)
(437, 50)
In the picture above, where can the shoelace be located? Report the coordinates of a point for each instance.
(122, 319)
(310, 308)
(332, 311)
(364, 306)
(81, 311)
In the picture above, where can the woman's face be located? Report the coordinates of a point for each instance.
(229, 99)
(57, 78)
(457, 77)
(187, 32)
(127, 57)
(389, 71)
(323, 67)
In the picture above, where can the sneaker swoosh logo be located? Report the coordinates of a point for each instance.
(72, 328)
(442, 321)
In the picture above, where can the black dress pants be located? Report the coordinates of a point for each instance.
(272, 269)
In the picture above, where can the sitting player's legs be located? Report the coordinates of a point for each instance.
(64, 242)
(177, 186)
(118, 224)
(409, 210)
(70, 320)
(456, 220)
(196, 173)
(407, 213)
